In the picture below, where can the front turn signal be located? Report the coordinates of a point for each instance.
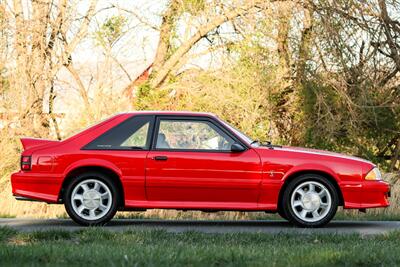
(374, 175)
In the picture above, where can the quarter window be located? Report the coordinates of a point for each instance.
(191, 135)
(138, 138)
(130, 134)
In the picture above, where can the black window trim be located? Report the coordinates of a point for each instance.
(149, 136)
(211, 120)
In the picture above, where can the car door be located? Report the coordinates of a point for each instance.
(191, 161)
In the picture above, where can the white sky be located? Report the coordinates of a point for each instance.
(141, 40)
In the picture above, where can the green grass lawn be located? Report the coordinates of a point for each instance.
(96, 247)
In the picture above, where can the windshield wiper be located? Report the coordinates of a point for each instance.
(270, 145)
(265, 144)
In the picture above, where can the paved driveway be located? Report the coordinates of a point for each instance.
(273, 227)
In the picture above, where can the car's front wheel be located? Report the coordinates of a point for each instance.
(310, 201)
(91, 199)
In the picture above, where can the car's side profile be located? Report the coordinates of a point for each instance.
(190, 161)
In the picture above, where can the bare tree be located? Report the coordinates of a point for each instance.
(45, 38)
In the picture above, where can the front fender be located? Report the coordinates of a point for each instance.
(310, 168)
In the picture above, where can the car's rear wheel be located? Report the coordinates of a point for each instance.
(310, 201)
(91, 199)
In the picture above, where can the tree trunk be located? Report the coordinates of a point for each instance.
(282, 39)
(395, 157)
(166, 30)
(53, 118)
(304, 48)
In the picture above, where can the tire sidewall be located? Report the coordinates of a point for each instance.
(288, 211)
(86, 176)
(281, 213)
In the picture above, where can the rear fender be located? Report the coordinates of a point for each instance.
(92, 163)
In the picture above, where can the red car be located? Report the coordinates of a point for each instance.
(190, 161)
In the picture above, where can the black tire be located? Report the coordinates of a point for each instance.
(91, 176)
(290, 213)
(282, 213)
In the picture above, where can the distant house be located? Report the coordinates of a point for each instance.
(130, 90)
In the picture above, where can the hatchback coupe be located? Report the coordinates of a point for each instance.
(190, 161)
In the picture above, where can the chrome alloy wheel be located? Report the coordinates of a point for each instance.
(311, 201)
(91, 199)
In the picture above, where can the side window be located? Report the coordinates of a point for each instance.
(130, 134)
(191, 135)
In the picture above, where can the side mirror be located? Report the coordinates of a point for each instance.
(237, 148)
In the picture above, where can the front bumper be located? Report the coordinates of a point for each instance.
(36, 186)
(368, 194)
(375, 194)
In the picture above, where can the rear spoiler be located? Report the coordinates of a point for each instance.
(28, 142)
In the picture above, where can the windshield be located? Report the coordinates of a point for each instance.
(242, 136)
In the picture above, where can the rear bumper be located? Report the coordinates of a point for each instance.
(368, 194)
(36, 186)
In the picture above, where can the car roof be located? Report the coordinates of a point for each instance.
(182, 113)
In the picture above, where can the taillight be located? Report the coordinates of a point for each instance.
(25, 163)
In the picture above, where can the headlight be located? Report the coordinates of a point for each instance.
(374, 175)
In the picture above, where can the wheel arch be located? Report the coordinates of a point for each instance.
(111, 173)
(293, 175)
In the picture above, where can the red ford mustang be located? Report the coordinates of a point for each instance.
(190, 161)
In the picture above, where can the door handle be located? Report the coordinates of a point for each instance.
(160, 158)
